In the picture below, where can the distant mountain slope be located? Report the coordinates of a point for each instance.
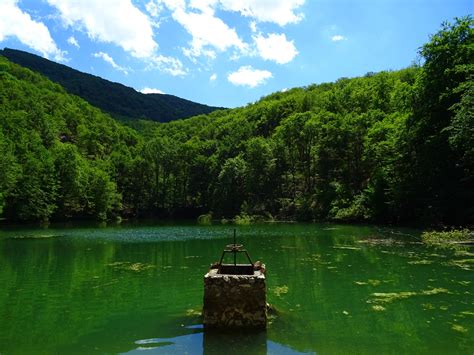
(119, 100)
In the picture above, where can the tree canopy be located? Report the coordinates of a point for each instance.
(388, 147)
(122, 102)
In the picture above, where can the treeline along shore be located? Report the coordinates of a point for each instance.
(388, 147)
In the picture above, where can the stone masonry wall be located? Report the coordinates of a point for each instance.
(234, 300)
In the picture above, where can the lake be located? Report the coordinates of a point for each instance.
(138, 288)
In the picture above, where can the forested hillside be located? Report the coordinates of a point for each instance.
(120, 101)
(389, 147)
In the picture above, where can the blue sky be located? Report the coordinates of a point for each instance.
(225, 52)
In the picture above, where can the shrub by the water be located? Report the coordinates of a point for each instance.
(205, 219)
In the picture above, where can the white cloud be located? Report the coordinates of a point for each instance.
(174, 5)
(148, 90)
(154, 8)
(253, 26)
(111, 21)
(281, 12)
(248, 76)
(107, 58)
(168, 65)
(73, 42)
(208, 33)
(16, 23)
(203, 5)
(211, 35)
(276, 47)
(213, 77)
(338, 38)
(123, 24)
(193, 52)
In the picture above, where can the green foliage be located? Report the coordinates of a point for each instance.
(102, 196)
(123, 102)
(461, 129)
(55, 151)
(9, 170)
(436, 178)
(350, 211)
(35, 191)
(243, 219)
(389, 147)
(230, 189)
(205, 219)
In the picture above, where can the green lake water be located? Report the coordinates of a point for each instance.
(137, 289)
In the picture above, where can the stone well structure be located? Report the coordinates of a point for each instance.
(235, 296)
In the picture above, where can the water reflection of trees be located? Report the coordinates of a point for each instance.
(324, 310)
(56, 293)
(61, 295)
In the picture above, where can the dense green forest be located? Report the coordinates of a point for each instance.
(120, 101)
(388, 147)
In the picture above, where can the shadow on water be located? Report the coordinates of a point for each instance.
(235, 342)
(214, 342)
(202, 341)
(117, 337)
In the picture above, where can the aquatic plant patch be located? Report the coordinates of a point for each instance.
(389, 297)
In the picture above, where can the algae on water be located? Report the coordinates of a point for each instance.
(459, 328)
(465, 264)
(193, 313)
(447, 239)
(280, 290)
(372, 282)
(389, 297)
(129, 266)
(465, 261)
(347, 248)
(378, 308)
(36, 236)
(420, 262)
(463, 253)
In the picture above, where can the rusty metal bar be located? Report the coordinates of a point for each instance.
(235, 251)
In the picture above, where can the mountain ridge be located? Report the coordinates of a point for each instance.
(121, 101)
